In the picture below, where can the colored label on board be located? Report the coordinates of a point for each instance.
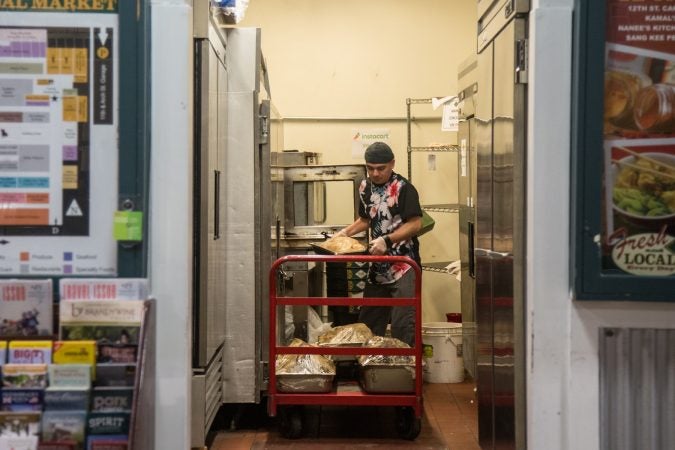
(128, 225)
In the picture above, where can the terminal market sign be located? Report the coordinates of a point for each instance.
(98, 6)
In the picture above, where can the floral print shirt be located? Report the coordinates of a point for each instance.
(387, 206)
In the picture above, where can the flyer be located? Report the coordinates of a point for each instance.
(639, 139)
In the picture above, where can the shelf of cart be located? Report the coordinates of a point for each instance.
(346, 398)
(329, 350)
(446, 207)
(345, 301)
(347, 393)
(435, 148)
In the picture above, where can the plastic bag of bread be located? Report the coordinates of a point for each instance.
(303, 364)
(354, 333)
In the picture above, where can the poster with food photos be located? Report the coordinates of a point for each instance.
(639, 139)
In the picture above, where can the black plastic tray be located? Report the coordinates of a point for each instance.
(324, 251)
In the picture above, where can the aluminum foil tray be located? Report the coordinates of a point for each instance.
(388, 379)
(294, 383)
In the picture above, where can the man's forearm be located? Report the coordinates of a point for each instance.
(357, 226)
(407, 230)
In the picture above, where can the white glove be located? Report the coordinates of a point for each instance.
(341, 233)
(378, 246)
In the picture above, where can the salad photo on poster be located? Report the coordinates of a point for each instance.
(640, 211)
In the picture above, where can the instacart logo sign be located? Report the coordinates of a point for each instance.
(372, 137)
(362, 138)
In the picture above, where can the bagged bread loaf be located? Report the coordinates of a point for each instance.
(303, 364)
(355, 333)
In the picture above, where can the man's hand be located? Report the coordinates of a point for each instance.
(378, 246)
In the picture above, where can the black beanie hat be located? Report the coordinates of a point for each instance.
(378, 153)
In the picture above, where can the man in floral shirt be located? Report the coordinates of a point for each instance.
(390, 208)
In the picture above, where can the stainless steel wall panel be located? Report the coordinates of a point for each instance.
(264, 223)
(637, 388)
(240, 355)
(242, 232)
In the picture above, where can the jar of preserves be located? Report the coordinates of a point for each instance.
(621, 88)
(653, 110)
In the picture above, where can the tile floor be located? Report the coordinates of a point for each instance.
(449, 422)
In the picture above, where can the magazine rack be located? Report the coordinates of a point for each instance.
(142, 427)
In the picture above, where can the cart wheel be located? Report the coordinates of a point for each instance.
(407, 425)
(290, 425)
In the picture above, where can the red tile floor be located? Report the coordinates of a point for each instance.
(449, 422)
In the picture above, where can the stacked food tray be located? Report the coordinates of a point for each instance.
(316, 373)
(387, 374)
(304, 373)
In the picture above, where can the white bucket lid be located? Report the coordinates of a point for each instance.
(441, 328)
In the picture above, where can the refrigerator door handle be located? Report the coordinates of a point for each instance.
(216, 205)
(472, 249)
(481, 252)
(521, 61)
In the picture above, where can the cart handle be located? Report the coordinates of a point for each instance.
(345, 258)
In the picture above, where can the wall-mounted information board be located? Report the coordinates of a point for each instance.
(624, 152)
(63, 139)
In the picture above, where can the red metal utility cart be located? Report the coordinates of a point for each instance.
(409, 406)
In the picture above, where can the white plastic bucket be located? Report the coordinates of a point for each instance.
(442, 351)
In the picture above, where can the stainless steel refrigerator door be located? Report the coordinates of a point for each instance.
(209, 313)
(510, 124)
(484, 319)
(501, 212)
(467, 222)
(209, 246)
(503, 227)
